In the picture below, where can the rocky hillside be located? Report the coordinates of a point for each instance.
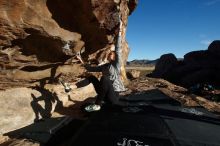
(143, 62)
(197, 67)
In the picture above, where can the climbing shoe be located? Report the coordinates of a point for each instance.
(92, 108)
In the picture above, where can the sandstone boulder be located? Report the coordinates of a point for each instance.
(196, 56)
(16, 111)
(133, 74)
(38, 45)
(23, 106)
(197, 67)
(164, 65)
(49, 33)
(214, 48)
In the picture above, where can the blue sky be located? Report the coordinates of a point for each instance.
(158, 27)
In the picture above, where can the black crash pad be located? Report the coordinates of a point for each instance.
(147, 126)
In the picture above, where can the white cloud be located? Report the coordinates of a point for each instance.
(211, 2)
(205, 42)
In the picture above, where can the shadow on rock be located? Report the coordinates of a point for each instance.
(75, 110)
(49, 100)
(48, 130)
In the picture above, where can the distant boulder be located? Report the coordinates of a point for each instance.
(195, 56)
(214, 48)
(133, 74)
(201, 66)
(165, 64)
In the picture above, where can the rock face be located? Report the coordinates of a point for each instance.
(38, 45)
(28, 24)
(33, 34)
(16, 109)
(24, 106)
(197, 67)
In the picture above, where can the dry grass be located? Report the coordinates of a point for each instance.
(140, 67)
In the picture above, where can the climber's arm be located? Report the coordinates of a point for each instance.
(118, 50)
(94, 68)
(78, 56)
(89, 67)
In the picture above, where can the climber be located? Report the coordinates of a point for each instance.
(110, 84)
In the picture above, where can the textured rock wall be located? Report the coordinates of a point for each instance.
(34, 40)
(33, 33)
(28, 24)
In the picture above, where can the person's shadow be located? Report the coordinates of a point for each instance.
(48, 98)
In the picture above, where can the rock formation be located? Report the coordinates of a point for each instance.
(196, 67)
(22, 106)
(133, 74)
(166, 63)
(39, 36)
(38, 44)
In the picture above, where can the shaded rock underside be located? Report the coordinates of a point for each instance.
(33, 35)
